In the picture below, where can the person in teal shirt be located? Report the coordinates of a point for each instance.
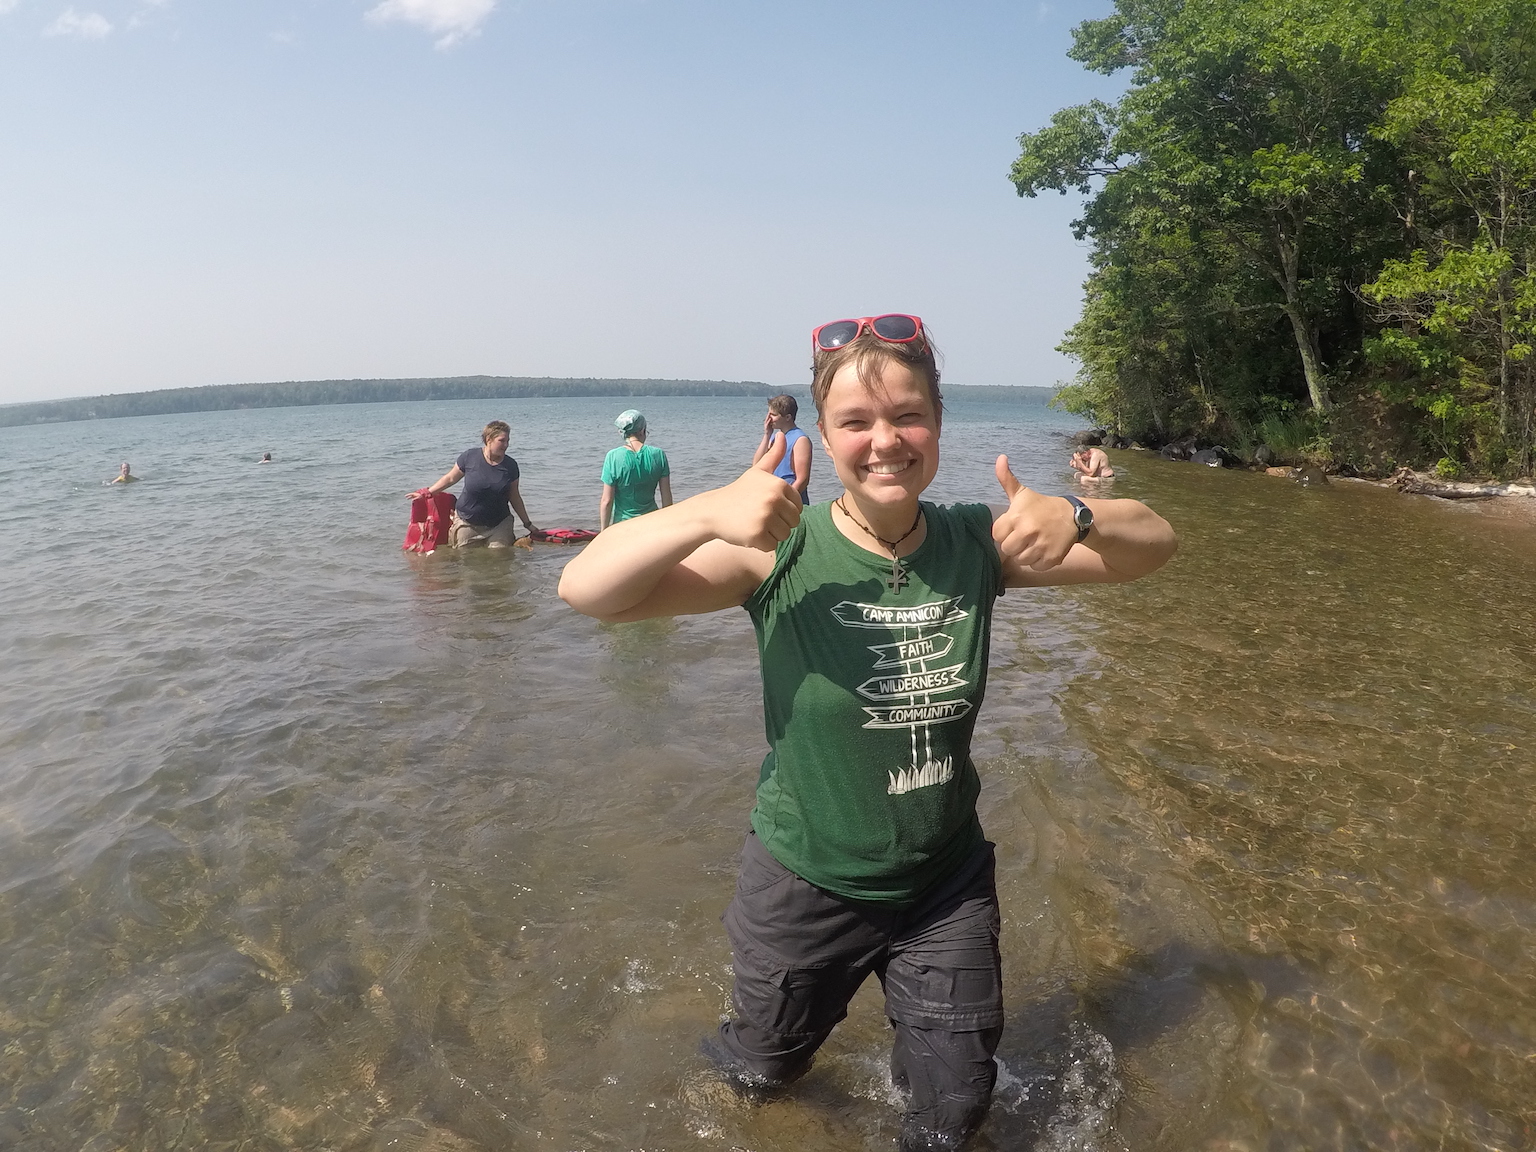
(632, 474)
(872, 614)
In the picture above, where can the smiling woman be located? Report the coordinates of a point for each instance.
(866, 853)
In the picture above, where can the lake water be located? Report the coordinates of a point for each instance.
(309, 843)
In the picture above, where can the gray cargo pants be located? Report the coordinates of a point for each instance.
(800, 953)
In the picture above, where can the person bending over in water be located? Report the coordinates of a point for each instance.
(872, 615)
(490, 485)
(1093, 463)
(795, 468)
(124, 476)
(632, 473)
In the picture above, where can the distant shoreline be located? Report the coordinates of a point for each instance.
(304, 393)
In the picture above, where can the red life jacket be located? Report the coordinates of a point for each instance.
(430, 518)
(564, 535)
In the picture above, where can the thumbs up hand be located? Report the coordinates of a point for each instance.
(1036, 531)
(757, 509)
(774, 456)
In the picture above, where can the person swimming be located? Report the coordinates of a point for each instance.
(125, 476)
(1092, 463)
(266, 458)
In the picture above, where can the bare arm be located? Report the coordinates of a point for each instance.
(665, 484)
(1037, 539)
(767, 441)
(515, 498)
(605, 507)
(703, 554)
(801, 458)
(447, 480)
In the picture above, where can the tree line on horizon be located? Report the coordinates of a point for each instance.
(1313, 226)
(289, 394)
(300, 393)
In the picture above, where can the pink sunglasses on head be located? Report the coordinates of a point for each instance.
(893, 328)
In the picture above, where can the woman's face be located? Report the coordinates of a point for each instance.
(496, 446)
(884, 443)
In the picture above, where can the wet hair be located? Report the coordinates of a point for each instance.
(494, 429)
(869, 354)
(784, 405)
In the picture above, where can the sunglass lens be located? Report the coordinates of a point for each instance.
(836, 334)
(895, 328)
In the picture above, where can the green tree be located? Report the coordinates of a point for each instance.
(1464, 300)
(1247, 127)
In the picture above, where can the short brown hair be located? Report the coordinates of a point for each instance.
(869, 354)
(494, 429)
(784, 405)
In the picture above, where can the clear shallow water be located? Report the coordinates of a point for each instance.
(305, 842)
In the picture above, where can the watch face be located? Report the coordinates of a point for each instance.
(1082, 516)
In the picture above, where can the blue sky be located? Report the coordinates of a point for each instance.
(200, 192)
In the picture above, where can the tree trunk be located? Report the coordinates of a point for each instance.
(1505, 285)
(1311, 366)
(1289, 277)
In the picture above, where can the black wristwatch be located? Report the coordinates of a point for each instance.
(1082, 516)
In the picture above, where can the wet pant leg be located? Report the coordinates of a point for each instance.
(943, 986)
(950, 1076)
(799, 954)
(462, 533)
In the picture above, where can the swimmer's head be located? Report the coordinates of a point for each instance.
(869, 354)
(125, 468)
(494, 429)
(630, 423)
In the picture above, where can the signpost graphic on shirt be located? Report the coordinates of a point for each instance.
(905, 686)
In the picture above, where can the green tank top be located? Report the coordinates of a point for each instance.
(870, 699)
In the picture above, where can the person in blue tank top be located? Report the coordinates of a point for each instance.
(633, 473)
(872, 614)
(795, 468)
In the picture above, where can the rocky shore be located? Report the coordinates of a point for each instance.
(1264, 460)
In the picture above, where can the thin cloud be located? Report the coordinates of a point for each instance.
(451, 21)
(91, 26)
(8, 6)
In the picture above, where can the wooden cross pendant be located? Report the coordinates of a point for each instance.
(898, 576)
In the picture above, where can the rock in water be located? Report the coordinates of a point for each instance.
(1309, 475)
